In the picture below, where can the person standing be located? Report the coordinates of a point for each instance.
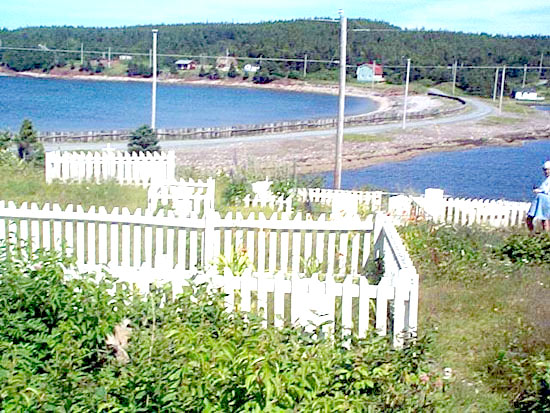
(540, 207)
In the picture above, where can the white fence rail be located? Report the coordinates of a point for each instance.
(140, 248)
(187, 198)
(464, 211)
(125, 168)
(99, 237)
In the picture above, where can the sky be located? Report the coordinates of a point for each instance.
(506, 17)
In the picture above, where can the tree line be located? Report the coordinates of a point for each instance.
(294, 40)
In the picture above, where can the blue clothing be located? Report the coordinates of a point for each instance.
(540, 207)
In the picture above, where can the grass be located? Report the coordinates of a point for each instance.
(477, 306)
(499, 120)
(487, 317)
(364, 138)
(21, 182)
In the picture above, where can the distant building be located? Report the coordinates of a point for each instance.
(224, 63)
(185, 64)
(249, 68)
(527, 94)
(366, 71)
(125, 57)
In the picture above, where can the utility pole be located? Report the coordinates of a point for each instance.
(305, 65)
(455, 69)
(502, 89)
(406, 93)
(154, 91)
(524, 75)
(341, 102)
(109, 61)
(540, 65)
(495, 87)
(81, 54)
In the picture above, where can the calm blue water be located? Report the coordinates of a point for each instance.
(491, 172)
(65, 105)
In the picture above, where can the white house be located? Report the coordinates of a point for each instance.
(250, 68)
(125, 57)
(529, 94)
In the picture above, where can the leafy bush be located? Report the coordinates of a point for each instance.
(238, 261)
(282, 187)
(185, 354)
(526, 249)
(236, 190)
(526, 378)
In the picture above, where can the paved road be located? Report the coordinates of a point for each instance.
(478, 110)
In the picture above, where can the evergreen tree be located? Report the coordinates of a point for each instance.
(5, 140)
(232, 71)
(143, 139)
(28, 146)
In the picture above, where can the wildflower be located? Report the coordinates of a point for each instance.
(447, 373)
(424, 378)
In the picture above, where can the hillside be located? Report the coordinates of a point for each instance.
(289, 40)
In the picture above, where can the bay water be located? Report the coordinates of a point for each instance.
(487, 172)
(80, 105)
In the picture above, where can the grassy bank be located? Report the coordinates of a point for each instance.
(484, 315)
(487, 313)
(22, 182)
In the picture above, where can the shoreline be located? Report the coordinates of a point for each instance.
(315, 154)
(382, 103)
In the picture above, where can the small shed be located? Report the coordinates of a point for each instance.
(367, 71)
(527, 94)
(250, 68)
(185, 64)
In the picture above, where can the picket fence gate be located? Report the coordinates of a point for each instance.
(141, 248)
(124, 167)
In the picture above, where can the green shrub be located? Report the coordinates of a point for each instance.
(236, 190)
(526, 377)
(185, 354)
(527, 249)
(282, 187)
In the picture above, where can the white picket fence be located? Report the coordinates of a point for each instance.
(141, 248)
(370, 199)
(276, 203)
(186, 198)
(341, 202)
(434, 205)
(119, 237)
(124, 167)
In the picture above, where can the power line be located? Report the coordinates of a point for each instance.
(273, 59)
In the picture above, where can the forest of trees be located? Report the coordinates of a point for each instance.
(293, 40)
